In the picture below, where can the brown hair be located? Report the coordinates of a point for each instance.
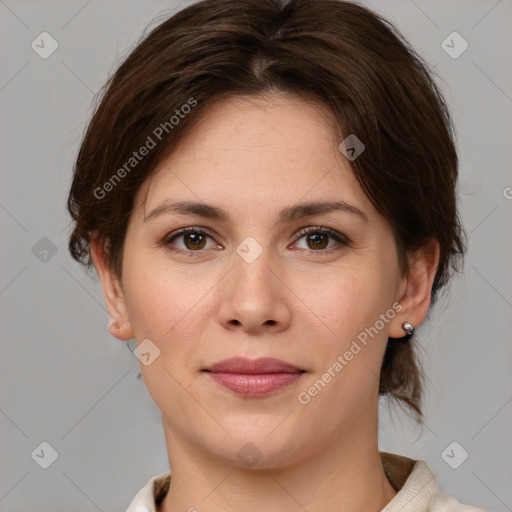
(340, 53)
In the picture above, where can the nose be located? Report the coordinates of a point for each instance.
(254, 296)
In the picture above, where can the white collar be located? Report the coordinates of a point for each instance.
(418, 489)
(144, 500)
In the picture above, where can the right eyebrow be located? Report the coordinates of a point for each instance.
(288, 214)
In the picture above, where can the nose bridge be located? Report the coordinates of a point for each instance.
(255, 295)
(253, 271)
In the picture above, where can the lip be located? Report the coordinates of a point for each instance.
(254, 377)
(261, 365)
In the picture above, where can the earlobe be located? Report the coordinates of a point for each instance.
(119, 330)
(119, 324)
(415, 294)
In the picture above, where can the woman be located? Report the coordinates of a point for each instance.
(267, 192)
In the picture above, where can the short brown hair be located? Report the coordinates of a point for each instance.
(340, 53)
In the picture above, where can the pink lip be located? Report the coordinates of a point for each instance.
(256, 377)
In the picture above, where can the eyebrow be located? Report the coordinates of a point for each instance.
(288, 214)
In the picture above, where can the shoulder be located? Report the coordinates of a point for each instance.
(440, 502)
(150, 496)
(417, 487)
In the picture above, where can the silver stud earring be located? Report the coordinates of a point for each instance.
(408, 328)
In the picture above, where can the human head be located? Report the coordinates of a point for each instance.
(335, 53)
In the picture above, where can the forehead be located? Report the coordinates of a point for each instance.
(255, 152)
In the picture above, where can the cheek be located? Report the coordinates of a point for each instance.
(351, 298)
(351, 305)
(166, 305)
(161, 299)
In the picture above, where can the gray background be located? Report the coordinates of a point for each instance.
(66, 381)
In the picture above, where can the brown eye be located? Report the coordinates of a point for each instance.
(189, 240)
(317, 241)
(194, 241)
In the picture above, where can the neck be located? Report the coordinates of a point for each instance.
(346, 476)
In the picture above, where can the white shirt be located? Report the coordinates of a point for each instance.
(418, 489)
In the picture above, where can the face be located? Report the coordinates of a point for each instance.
(257, 276)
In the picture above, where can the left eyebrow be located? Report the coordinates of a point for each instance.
(288, 214)
(317, 208)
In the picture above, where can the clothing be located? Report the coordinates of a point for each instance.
(417, 486)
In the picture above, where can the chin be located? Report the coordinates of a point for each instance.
(259, 442)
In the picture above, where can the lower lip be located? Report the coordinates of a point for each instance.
(254, 385)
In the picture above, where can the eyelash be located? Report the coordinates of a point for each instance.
(338, 237)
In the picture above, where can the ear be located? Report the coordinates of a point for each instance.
(112, 292)
(415, 290)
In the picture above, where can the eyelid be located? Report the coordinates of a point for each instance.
(188, 229)
(182, 231)
(340, 238)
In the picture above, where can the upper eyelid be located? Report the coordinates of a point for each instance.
(189, 229)
(297, 235)
(321, 229)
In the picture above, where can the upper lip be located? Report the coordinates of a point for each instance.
(261, 365)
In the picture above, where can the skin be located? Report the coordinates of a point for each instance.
(299, 301)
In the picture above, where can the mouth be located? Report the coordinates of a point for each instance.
(254, 377)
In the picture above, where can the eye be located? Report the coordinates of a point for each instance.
(193, 240)
(317, 238)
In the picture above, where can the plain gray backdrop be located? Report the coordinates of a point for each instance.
(66, 382)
